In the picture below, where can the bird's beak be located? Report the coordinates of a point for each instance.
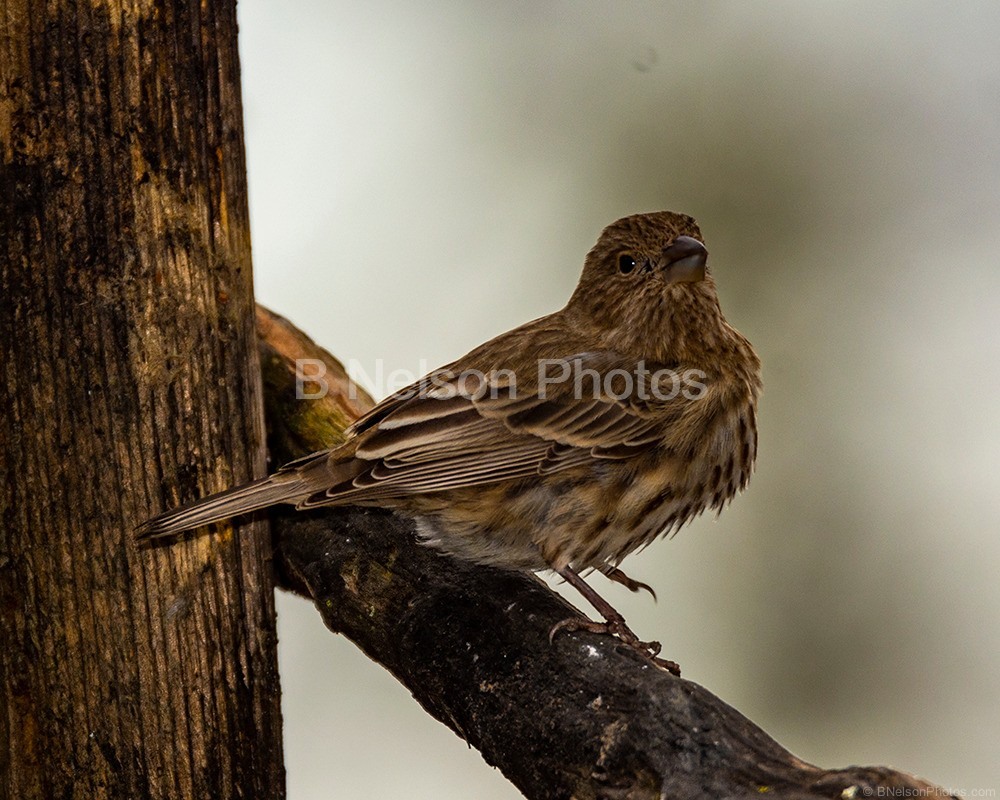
(684, 260)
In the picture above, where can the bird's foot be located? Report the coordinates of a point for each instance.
(616, 575)
(614, 622)
(616, 627)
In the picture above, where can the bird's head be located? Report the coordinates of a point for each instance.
(645, 286)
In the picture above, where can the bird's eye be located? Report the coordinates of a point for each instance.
(625, 263)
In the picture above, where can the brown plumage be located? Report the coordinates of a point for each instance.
(564, 444)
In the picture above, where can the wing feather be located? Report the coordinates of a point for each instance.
(436, 434)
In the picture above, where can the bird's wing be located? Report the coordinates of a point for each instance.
(453, 430)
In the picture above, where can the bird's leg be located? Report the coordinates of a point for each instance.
(616, 575)
(614, 623)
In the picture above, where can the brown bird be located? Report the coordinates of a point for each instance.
(564, 444)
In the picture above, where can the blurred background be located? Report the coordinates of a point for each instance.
(425, 176)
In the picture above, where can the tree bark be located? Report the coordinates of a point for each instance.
(130, 383)
(579, 717)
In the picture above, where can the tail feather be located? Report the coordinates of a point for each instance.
(278, 488)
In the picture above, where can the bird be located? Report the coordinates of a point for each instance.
(565, 444)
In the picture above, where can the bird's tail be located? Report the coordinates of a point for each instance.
(281, 487)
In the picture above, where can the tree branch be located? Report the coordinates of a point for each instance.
(581, 717)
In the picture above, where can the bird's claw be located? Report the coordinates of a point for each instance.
(618, 629)
(616, 575)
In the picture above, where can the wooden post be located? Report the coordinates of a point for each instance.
(129, 382)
